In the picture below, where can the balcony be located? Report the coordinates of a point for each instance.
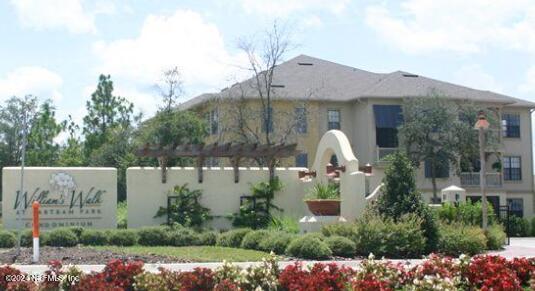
(381, 153)
(471, 179)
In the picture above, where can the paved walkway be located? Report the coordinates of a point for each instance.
(519, 247)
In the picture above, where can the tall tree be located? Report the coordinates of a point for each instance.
(71, 153)
(429, 135)
(12, 126)
(439, 131)
(104, 111)
(43, 150)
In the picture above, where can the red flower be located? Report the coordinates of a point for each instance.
(492, 273)
(199, 279)
(319, 277)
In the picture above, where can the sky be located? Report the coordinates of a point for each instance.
(56, 49)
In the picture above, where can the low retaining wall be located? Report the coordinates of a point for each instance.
(146, 192)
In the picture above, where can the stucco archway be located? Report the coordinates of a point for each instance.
(352, 181)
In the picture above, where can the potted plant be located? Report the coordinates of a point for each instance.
(324, 199)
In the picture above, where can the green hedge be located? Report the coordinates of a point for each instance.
(308, 247)
(153, 236)
(340, 229)
(93, 237)
(184, 237)
(384, 237)
(232, 238)
(62, 237)
(122, 237)
(341, 246)
(276, 241)
(208, 238)
(518, 227)
(7, 239)
(495, 237)
(458, 238)
(253, 239)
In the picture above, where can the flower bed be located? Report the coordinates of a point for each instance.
(434, 273)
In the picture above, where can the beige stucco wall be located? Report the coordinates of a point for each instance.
(96, 188)
(146, 192)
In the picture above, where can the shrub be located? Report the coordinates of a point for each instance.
(26, 238)
(77, 230)
(532, 226)
(186, 210)
(122, 237)
(92, 237)
(122, 215)
(62, 237)
(400, 197)
(7, 239)
(457, 238)
(184, 237)
(258, 214)
(153, 236)
(495, 237)
(385, 237)
(317, 235)
(208, 238)
(518, 227)
(308, 247)
(276, 241)
(340, 229)
(341, 246)
(284, 223)
(252, 239)
(466, 213)
(232, 238)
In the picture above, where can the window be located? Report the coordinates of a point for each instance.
(212, 119)
(333, 119)
(511, 125)
(301, 160)
(387, 120)
(442, 167)
(300, 120)
(516, 206)
(512, 170)
(267, 120)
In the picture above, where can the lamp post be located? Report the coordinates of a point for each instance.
(481, 125)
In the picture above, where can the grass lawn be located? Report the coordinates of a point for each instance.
(192, 253)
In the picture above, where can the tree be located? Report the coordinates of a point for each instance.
(439, 131)
(171, 127)
(170, 89)
(12, 126)
(428, 134)
(400, 197)
(260, 121)
(42, 148)
(71, 153)
(104, 111)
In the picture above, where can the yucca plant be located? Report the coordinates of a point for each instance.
(322, 191)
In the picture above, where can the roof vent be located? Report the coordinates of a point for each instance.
(409, 75)
(305, 64)
(277, 86)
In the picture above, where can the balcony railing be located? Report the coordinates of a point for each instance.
(383, 152)
(471, 179)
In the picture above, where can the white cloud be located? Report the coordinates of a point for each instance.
(421, 26)
(183, 39)
(37, 81)
(475, 77)
(283, 8)
(76, 16)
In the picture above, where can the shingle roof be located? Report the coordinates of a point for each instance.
(305, 77)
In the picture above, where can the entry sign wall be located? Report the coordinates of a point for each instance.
(85, 197)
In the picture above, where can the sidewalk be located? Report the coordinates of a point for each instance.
(520, 247)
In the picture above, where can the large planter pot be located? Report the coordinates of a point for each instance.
(324, 207)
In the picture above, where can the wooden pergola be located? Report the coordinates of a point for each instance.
(236, 152)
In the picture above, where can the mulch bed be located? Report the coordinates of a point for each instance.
(80, 256)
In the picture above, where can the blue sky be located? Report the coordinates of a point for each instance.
(57, 48)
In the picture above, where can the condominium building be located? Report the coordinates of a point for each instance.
(314, 95)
